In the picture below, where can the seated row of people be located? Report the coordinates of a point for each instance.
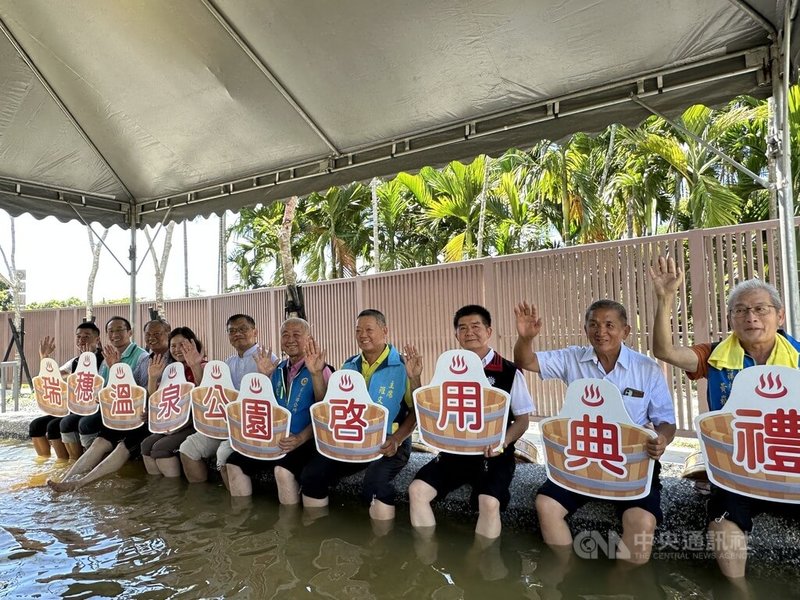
(300, 379)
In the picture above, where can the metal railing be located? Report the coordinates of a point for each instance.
(9, 373)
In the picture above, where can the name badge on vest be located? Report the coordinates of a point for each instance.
(84, 386)
(170, 406)
(50, 389)
(460, 412)
(348, 425)
(256, 422)
(594, 448)
(122, 402)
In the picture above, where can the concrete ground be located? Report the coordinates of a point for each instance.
(774, 543)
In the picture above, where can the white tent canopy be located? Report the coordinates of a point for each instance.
(132, 112)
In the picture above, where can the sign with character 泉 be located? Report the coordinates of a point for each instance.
(752, 444)
(348, 425)
(256, 422)
(170, 406)
(594, 448)
(210, 398)
(459, 411)
(122, 402)
(50, 389)
(84, 386)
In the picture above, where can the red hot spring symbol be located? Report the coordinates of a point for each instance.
(216, 372)
(48, 367)
(86, 361)
(591, 396)
(120, 372)
(255, 386)
(458, 365)
(345, 384)
(771, 387)
(172, 372)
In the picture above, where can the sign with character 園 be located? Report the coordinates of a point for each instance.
(752, 444)
(594, 448)
(256, 422)
(459, 411)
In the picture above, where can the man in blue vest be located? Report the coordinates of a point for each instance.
(390, 381)
(755, 315)
(297, 382)
(489, 474)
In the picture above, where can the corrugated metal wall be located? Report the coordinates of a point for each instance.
(419, 303)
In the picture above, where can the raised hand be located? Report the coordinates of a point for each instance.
(528, 322)
(413, 361)
(264, 363)
(190, 354)
(155, 368)
(314, 357)
(666, 276)
(110, 355)
(46, 347)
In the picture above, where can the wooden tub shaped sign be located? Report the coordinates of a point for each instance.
(256, 422)
(122, 402)
(170, 406)
(459, 411)
(348, 425)
(50, 389)
(594, 448)
(210, 398)
(84, 386)
(752, 444)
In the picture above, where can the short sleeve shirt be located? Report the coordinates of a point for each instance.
(521, 400)
(633, 371)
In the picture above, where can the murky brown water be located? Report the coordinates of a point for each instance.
(130, 536)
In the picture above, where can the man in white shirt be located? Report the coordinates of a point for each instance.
(647, 400)
(249, 357)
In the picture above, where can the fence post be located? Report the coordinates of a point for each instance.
(698, 283)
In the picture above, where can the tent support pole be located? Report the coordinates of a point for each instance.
(781, 74)
(724, 157)
(132, 257)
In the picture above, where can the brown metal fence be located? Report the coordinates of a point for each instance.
(419, 303)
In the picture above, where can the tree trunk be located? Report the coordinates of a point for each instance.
(564, 198)
(96, 247)
(161, 266)
(185, 259)
(482, 214)
(285, 242)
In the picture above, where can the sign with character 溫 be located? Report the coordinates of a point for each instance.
(594, 448)
(122, 402)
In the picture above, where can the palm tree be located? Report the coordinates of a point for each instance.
(333, 234)
(450, 201)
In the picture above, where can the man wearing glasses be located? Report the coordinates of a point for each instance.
(249, 357)
(755, 316)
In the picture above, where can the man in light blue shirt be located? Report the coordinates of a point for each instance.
(647, 400)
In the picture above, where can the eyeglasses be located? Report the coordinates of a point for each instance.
(760, 310)
(235, 330)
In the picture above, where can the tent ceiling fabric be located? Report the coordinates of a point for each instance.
(197, 106)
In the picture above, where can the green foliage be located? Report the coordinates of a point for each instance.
(6, 301)
(73, 301)
(623, 182)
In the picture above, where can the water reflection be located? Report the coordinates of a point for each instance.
(131, 536)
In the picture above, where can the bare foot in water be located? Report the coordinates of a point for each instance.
(62, 486)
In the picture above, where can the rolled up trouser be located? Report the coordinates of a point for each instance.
(69, 429)
(88, 428)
